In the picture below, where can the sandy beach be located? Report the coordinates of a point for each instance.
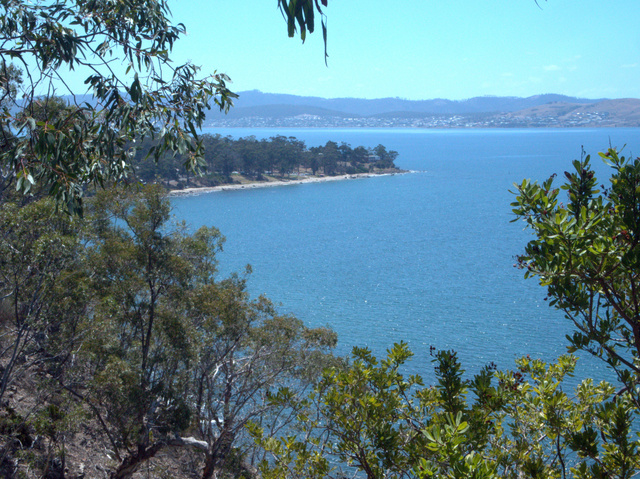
(267, 184)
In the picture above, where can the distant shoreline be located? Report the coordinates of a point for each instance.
(256, 109)
(267, 184)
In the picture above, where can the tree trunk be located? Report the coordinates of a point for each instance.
(209, 466)
(131, 463)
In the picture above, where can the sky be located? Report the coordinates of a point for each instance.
(421, 49)
(414, 49)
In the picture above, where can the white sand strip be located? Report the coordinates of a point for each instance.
(265, 184)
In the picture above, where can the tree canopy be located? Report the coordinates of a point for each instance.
(524, 423)
(121, 321)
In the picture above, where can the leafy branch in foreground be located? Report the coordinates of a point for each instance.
(301, 14)
(587, 254)
(89, 143)
(122, 50)
(369, 420)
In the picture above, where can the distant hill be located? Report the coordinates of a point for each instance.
(254, 108)
(281, 111)
(273, 103)
(625, 110)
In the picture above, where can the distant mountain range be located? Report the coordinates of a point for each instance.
(255, 100)
(254, 108)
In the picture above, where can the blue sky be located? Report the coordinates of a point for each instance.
(422, 49)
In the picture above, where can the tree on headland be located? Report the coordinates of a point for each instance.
(385, 158)
(227, 159)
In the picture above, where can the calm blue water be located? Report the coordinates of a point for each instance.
(425, 258)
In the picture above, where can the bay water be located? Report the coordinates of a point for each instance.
(425, 257)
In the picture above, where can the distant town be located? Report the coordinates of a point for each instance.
(262, 110)
(454, 121)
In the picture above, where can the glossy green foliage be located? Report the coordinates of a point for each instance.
(586, 254)
(370, 418)
(369, 421)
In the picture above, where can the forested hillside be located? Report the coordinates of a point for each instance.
(256, 109)
(120, 343)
